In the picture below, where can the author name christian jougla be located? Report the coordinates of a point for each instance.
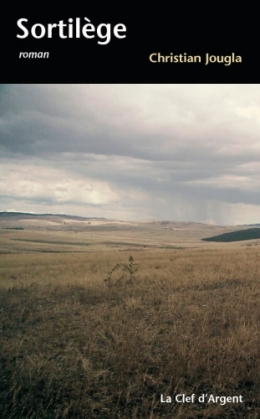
(226, 60)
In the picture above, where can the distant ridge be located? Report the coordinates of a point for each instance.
(28, 214)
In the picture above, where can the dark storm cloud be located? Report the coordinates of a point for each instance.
(37, 120)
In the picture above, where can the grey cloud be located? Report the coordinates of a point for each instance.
(162, 151)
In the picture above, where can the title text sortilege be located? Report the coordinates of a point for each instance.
(77, 28)
(226, 60)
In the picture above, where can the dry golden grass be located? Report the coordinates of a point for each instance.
(76, 346)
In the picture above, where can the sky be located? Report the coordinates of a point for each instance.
(132, 152)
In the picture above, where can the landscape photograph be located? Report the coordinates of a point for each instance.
(129, 251)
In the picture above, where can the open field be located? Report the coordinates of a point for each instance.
(173, 321)
(58, 234)
(88, 333)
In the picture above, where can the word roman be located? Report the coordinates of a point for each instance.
(103, 31)
(203, 398)
(227, 60)
(39, 54)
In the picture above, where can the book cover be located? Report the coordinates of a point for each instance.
(129, 213)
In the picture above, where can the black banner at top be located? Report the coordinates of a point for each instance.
(127, 45)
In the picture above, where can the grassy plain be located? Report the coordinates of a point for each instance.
(57, 234)
(76, 346)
